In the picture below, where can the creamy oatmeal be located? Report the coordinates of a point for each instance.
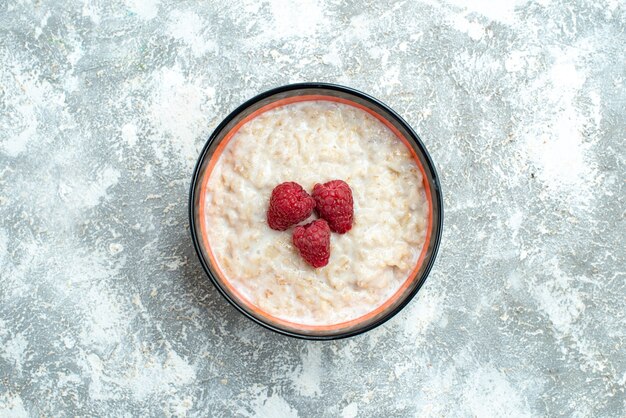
(314, 142)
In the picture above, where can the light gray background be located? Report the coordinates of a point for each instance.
(104, 106)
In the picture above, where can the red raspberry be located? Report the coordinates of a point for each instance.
(334, 203)
(289, 204)
(313, 242)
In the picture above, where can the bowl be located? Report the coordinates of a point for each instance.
(304, 92)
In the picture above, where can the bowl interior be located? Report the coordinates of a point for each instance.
(291, 94)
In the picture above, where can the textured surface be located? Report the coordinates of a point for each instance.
(104, 309)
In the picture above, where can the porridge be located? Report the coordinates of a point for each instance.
(314, 142)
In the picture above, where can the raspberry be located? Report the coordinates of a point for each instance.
(334, 203)
(313, 242)
(289, 204)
